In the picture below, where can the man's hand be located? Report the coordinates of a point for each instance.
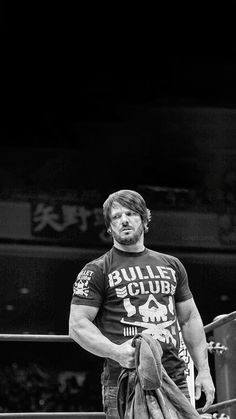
(125, 354)
(204, 383)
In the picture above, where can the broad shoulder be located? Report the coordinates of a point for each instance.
(100, 261)
(163, 256)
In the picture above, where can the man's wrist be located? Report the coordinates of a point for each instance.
(114, 352)
(204, 370)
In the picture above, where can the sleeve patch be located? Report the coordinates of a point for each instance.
(81, 285)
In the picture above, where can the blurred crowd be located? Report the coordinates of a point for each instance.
(30, 388)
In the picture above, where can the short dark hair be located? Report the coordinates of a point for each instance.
(129, 199)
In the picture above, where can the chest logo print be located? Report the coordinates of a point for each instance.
(152, 312)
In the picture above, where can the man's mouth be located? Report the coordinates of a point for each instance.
(127, 229)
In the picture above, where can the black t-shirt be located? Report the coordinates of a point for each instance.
(134, 292)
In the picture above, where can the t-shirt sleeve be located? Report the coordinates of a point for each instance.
(183, 291)
(88, 287)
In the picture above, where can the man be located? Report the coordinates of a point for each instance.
(132, 289)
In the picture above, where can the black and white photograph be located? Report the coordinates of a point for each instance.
(117, 225)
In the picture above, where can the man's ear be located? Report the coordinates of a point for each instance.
(145, 227)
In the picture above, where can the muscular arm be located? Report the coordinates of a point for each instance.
(83, 331)
(193, 333)
(195, 339)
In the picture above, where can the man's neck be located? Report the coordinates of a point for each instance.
(132, 248)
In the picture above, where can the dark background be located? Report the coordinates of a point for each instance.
(73, 119)
(76, 107)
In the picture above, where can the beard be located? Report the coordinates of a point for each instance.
(131, 239)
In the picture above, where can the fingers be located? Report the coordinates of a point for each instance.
(126, 355)
(204, 383)
(206, 406)
(210, 395)
(198, 391)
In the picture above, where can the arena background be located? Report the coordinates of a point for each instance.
(72, 132)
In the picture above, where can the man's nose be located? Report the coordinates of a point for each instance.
(124, 219)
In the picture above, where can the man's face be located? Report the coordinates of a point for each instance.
(126, 225)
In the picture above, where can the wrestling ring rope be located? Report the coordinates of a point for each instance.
(226, 335)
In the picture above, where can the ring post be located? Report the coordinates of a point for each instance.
(225, 364)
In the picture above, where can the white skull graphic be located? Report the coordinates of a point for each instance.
(153, 311)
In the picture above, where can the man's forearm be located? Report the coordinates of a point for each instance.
(195, 340)
(87, 335)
